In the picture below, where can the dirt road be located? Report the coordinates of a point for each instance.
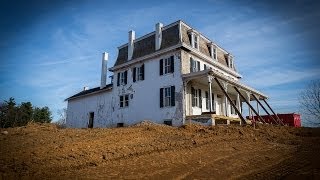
(158, 151)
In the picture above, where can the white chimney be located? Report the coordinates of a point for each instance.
(132, 36)
(158, 35)
(85, 88)
(104, 70)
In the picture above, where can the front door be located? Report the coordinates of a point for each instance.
(91, 117)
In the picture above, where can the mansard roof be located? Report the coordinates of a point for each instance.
(172, 35)
(146, 44)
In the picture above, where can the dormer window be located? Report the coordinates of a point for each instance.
(213, 50)
(194, 39)
(230, 61)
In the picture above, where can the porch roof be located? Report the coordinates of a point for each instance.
(219, 75)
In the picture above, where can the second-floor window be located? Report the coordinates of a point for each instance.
(138, 73)
(230, 62)
(194, 65)
(166, 65)
(122, 78)
(196, 41)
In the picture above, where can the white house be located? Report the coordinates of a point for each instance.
(168, 76)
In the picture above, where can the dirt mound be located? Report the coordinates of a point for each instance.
(150, 150)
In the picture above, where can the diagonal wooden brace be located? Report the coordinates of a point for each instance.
(280, 122)
(254, 96)
(257, 114)
(229, 99)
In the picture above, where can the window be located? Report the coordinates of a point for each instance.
(204, 66)
(196, 97)
(214, 51)
(207, 100)
(166, 65)
(122, 78)
(230, 61)
(194, 65)
(138, 73)
(124, 100)
(168, 122)
(195, 41)
(167, 96)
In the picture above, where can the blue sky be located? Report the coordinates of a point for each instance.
(49, 50)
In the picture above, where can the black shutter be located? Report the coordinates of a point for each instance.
(118, 79)
(142, 71)
(121, 101)
(191, 65)
(172, 63)
(173, 96)
(125, 77)
(192, 96)
(134, 72)
(207, 100)
(161, 97)
(161, 66)
(200, 99)
(198, 65)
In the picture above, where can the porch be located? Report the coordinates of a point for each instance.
(211, 95)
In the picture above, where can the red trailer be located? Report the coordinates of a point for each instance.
(291, 119)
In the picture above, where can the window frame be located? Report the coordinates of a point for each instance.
(122, 78)
(167, 65)
(124, 101)
(167, 96)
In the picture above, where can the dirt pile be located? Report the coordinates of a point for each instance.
(148, 150)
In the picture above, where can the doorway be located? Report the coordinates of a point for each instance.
(91, 117)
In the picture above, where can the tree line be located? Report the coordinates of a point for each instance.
(13, 115)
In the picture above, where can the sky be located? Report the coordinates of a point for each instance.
(50, 50)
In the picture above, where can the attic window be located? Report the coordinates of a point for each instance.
(194, 39)
(230, 61)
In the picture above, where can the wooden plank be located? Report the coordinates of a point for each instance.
(264, 108)
(273, 112)
(257, 114)
(233, 105)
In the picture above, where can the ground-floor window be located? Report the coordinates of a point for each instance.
(124, 100)
(233, 111)
(167, 96)
(196, 97)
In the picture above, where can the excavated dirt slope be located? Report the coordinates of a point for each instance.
(158, 151)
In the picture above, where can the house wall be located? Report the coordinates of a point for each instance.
(102, 104)
(144, 99)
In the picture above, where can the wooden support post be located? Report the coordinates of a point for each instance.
(264, 108)
(233, 105)
(210, 93)
(257, 114)
(280, 122)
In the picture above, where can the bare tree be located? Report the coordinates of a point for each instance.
(62, 117)
(310, 102)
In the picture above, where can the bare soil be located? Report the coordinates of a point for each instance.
(150, 151)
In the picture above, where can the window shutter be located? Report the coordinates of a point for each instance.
(172, 63)
(125, 77)
(118, 79)
(191, 65)
(161, 66)
(142, 71)
(134, 72)
(121, 101)
(161, 97)
(198, 65)
(207, 100)
(200, 99)
(173, 96)
(192, 96)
